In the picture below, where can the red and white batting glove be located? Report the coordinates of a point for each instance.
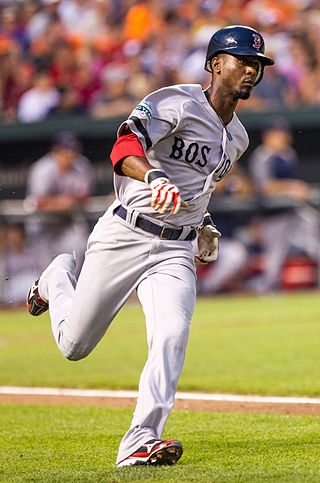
(208, 242)
(164, 195)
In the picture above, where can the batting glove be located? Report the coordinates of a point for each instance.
(208, 242)
(163, 194)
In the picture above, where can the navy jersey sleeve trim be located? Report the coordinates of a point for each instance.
(138, 124)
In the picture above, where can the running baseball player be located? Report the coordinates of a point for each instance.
(171, 151)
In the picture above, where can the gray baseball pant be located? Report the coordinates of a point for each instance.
(120, 259)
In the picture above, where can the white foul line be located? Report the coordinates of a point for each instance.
(195, 396)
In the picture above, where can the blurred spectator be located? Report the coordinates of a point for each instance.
(85, 82)
(68, 104)
(16, 78)
(139, 20)
(228, 271)
(11, 28)
(272, 12)
(63, 65)
(114, 98)
(59, 185)
(20, 265)
(85, 19)
(191, 68)
(42, 16)
(273, 169)
(137, 65)
(43, 48)
(35, 104)
(231, 12)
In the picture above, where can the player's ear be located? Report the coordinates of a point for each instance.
(216, 65)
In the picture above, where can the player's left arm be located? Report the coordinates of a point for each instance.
(208, 241)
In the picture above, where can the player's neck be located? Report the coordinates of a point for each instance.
(221, 104)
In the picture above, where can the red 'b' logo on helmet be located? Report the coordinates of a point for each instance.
(257, 42)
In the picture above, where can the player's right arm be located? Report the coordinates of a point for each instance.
(150, 121)
(128, 159)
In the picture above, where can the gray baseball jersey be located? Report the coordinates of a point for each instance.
(183, 136)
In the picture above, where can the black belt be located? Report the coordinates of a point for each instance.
(163, 232)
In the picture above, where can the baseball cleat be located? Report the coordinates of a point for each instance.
(155, 452)
(35, 304)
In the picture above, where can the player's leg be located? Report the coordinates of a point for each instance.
(82, 312)
(277, 232)
(305, 235)
(167, 295)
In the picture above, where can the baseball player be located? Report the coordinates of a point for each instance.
(273, 167)
(171, 151)
(58, 185)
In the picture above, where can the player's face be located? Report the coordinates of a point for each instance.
(239, 74)
(65, 158)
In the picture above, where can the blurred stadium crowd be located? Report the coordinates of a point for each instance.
(98, 57)
(61, 58)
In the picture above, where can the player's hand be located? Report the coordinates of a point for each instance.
(164, 196)
(208, 244)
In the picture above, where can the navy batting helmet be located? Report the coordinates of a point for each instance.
(238, 40)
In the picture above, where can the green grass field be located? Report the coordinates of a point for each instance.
(257, 345)
(251, 345)
(78, 444)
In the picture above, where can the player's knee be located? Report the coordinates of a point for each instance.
(75, 356)
(76, 352)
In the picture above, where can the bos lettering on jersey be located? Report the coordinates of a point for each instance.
(191, 153)
(196, 153)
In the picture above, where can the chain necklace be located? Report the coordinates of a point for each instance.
(229, 135)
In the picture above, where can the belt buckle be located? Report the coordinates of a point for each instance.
(168, 233)
(162, 233)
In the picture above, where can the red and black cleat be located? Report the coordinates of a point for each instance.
(35, 304)
(155, 452)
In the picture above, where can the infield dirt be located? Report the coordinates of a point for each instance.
(180, 405)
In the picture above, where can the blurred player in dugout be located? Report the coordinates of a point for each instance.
(273, 168)
(58, 187)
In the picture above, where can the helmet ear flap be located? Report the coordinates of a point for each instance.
(208, 66)
(259, 74)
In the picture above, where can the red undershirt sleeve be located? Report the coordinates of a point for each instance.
(126, 145)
